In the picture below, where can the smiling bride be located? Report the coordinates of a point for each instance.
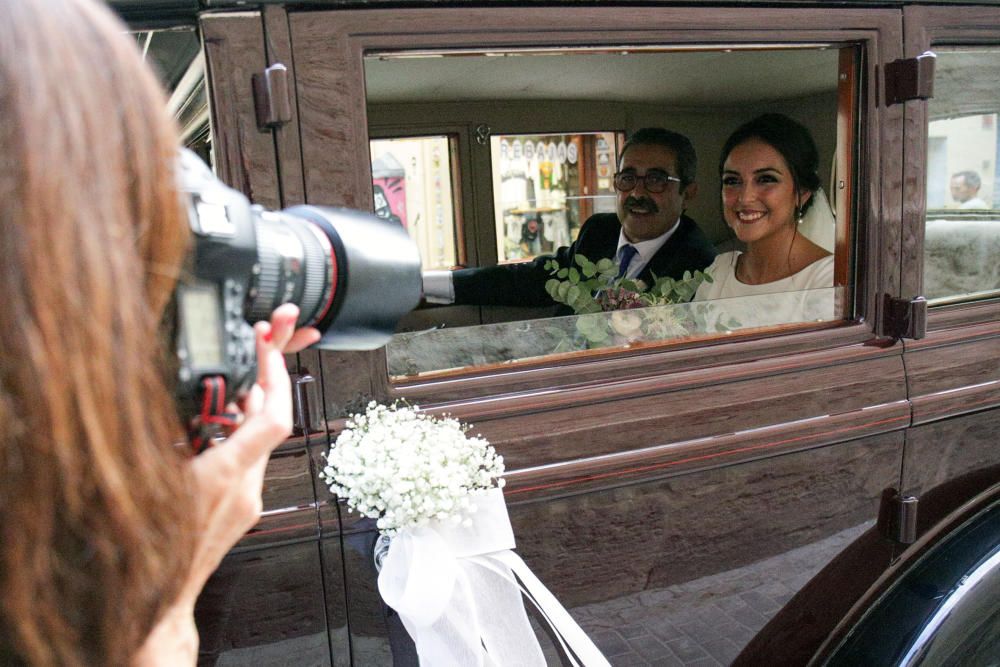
(769, 176)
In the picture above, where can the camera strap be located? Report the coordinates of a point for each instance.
(213, 419)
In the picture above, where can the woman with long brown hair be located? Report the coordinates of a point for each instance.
(109, 529)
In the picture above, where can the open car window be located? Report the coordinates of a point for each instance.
(541, 133)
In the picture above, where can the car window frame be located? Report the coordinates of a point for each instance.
(345, 41)
(925, 27)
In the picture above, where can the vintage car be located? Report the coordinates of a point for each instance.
(700, 493)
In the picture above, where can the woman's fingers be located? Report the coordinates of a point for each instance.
(268, 407)
(301, 339)
(283, 321)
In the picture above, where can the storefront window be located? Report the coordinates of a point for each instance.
(412, 185)
(545, 186)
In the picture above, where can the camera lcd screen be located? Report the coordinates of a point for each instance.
(200, 308)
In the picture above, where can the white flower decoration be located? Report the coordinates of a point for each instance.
(405, 468)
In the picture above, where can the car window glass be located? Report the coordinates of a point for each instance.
(177, 58)
(436, 350)
(962, 236)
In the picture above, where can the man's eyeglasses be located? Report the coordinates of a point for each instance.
(653, 181)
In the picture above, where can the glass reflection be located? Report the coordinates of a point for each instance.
(434, 350)
(411, 185)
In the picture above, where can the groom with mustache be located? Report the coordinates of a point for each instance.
(649, 234)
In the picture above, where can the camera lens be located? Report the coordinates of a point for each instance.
(295, 263)
(353, 275)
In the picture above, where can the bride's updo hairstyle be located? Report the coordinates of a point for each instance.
(791, 139)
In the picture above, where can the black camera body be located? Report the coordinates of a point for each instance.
(352, 274)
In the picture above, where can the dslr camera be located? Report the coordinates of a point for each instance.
(353, 275)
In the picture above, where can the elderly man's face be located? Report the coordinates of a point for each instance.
(960, 190)
(645, 215)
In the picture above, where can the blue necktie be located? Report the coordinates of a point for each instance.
(628, 252)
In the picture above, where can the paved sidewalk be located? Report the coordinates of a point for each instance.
(705, 622)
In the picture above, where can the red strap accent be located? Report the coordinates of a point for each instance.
(213, 415)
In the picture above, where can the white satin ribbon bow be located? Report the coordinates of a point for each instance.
(455, 590)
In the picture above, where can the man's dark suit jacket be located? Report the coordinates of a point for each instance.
(688, 249)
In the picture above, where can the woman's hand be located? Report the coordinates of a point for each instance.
(228, 479)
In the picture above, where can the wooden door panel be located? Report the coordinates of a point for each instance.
(949, 449)
(643, 484)
(245, 159)
(694, 566)
(954, 371)
(603, 545)
(606, 420)
(265, 607)
(244, 155)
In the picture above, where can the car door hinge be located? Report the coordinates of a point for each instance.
(909, 79)
(305, 404)
(897, 517)
(905, 318)
(271, 97)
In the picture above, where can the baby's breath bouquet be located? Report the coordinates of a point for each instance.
(447, 565)
(405, 468)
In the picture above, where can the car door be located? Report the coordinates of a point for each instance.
(953, 372)
(673, 496)
(267, 603)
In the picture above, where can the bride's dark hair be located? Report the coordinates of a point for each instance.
(791, 139)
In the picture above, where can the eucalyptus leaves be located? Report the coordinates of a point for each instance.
(609, 307)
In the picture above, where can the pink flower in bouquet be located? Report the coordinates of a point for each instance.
(619, 298)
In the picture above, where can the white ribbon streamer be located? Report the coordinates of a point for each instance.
(455, 590)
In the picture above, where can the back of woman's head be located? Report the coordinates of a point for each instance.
(92, 492)
(791, 139)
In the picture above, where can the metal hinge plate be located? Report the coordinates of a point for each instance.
(897, 517)
(271, 97)
(905, 318)
(306, 411)
(910, 79)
